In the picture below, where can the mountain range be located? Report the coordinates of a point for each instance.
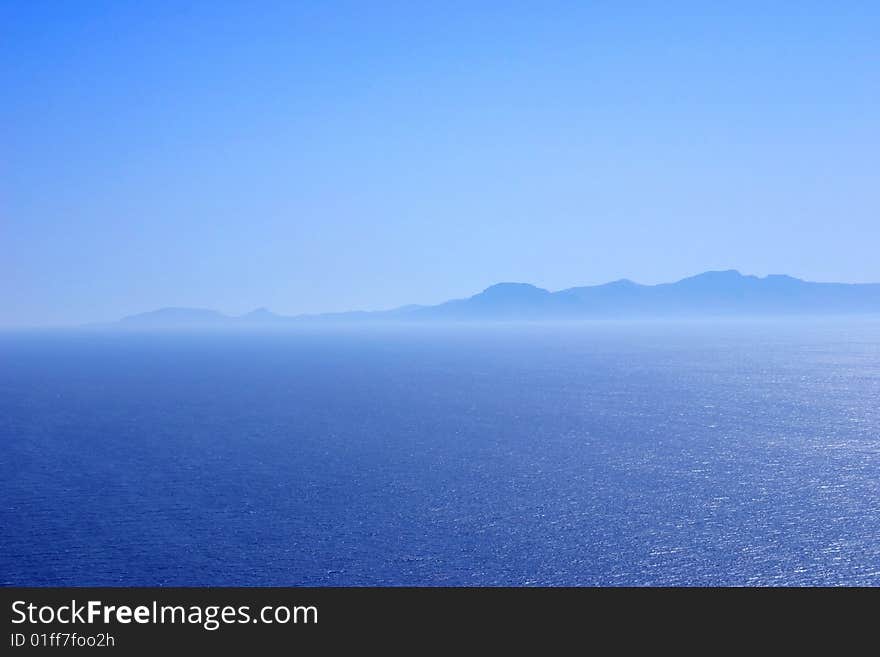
(710, 294)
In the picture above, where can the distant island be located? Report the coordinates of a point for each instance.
(710, 294)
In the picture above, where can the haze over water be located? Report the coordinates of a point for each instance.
(588, 453)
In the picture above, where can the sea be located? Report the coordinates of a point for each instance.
(610, 453)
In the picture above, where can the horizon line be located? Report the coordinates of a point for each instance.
(221, 315)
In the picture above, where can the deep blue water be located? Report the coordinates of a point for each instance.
(668, 453)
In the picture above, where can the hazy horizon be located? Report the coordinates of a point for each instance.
(327, 158)
(319, 313)
(713, 295)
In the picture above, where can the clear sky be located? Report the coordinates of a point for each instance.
(329, 156)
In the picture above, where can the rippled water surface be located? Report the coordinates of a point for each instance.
(668, 453)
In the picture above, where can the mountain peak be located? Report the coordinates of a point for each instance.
(716, 279)
(513, 290)
(261, 315)
(716, 275)
(260, 312)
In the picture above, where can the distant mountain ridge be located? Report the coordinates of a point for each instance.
(710, 294)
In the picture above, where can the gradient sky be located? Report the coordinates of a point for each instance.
(328, 156)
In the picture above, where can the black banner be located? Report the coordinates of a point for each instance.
(127, 620)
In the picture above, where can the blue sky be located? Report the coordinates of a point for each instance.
(330, 156)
